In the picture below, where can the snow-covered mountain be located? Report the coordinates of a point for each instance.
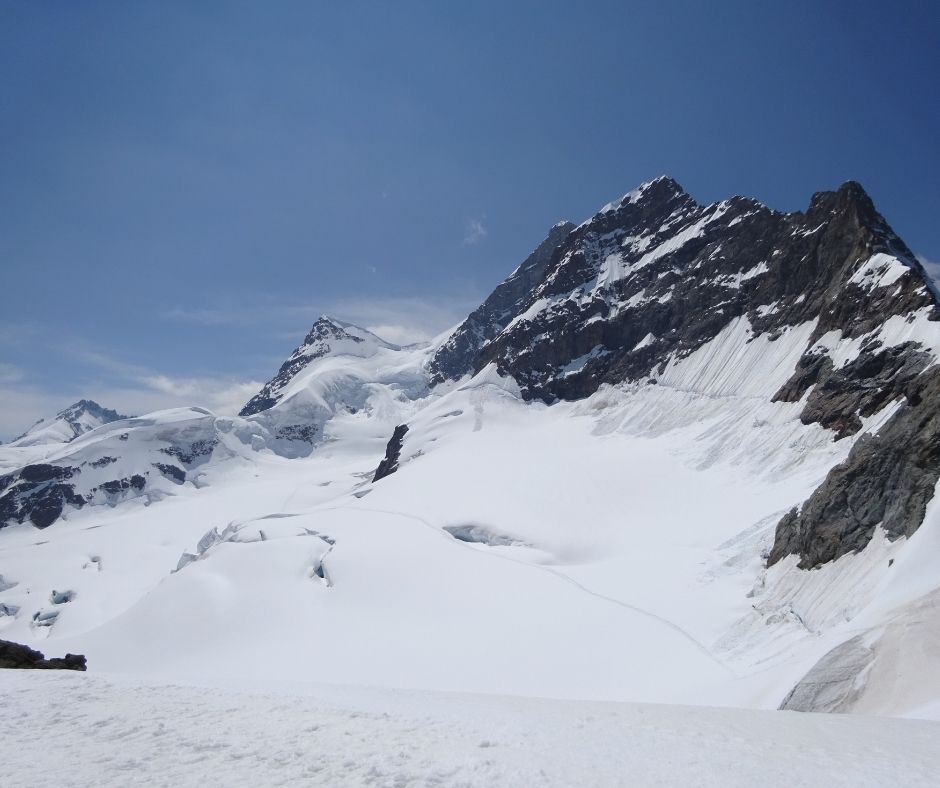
(683, 454)
(84, 416)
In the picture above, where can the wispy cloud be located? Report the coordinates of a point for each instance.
(10, 373)
(140, 388)
(474, 232)
(401, 320)
(128, 388)
(404, 320)
(203, 317)
(932, 267)
(135, 388)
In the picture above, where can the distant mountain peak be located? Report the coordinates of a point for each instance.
(661, 189)
(92, 407)
(328, 336)
(77, 419)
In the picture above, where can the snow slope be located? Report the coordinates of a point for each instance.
(586, 577)
(109, 731)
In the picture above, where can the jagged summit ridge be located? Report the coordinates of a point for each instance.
(657, 188)
(655, 275)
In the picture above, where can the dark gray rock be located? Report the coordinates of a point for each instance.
(17, 656)
(841, 398)
(38, 493)
(721, 262)
(887, 480)
(171, 472)
(457, 355)
(389, 463)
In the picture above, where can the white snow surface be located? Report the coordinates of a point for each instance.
(112, 731)
(617, 556)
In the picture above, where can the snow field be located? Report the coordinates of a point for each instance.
(115, 731)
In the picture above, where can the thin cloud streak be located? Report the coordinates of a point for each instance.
(475, 232)
(403, 320)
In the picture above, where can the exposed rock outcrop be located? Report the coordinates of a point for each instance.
(18, 656)
(887, 481)
(389, 463)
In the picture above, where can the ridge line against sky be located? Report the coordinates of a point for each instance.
(186, 186)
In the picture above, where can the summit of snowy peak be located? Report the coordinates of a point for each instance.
(77, 419)
(329, 335)
(659, 189)
(327, 338)
(91, 408)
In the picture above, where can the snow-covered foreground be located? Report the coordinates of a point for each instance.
(87, 730)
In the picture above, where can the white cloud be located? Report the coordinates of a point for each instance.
(24, 405)
(400, 320)
(475, 232)
(222, 396)
(932, 267)
(136, 389)
(404, 320)
(10, 373)
(128, 388)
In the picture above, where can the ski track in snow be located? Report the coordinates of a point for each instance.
(117, 731)
(554, 572)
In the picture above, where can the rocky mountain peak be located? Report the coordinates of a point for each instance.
(327, 337)
(88, 406)
(77, 419)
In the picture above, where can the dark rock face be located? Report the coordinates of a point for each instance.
(297, 432)
(116, 487)
(859, 389)
(171, 472)
(389, 463)
(654, 276)
(458, 354)
(887, 480)
(192, 453)
(660, 267)
(16, 655)
(39, 493)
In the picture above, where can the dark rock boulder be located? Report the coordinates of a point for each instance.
(18, 656)
(389, 463)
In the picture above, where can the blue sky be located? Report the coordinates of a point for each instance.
(185, 186)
